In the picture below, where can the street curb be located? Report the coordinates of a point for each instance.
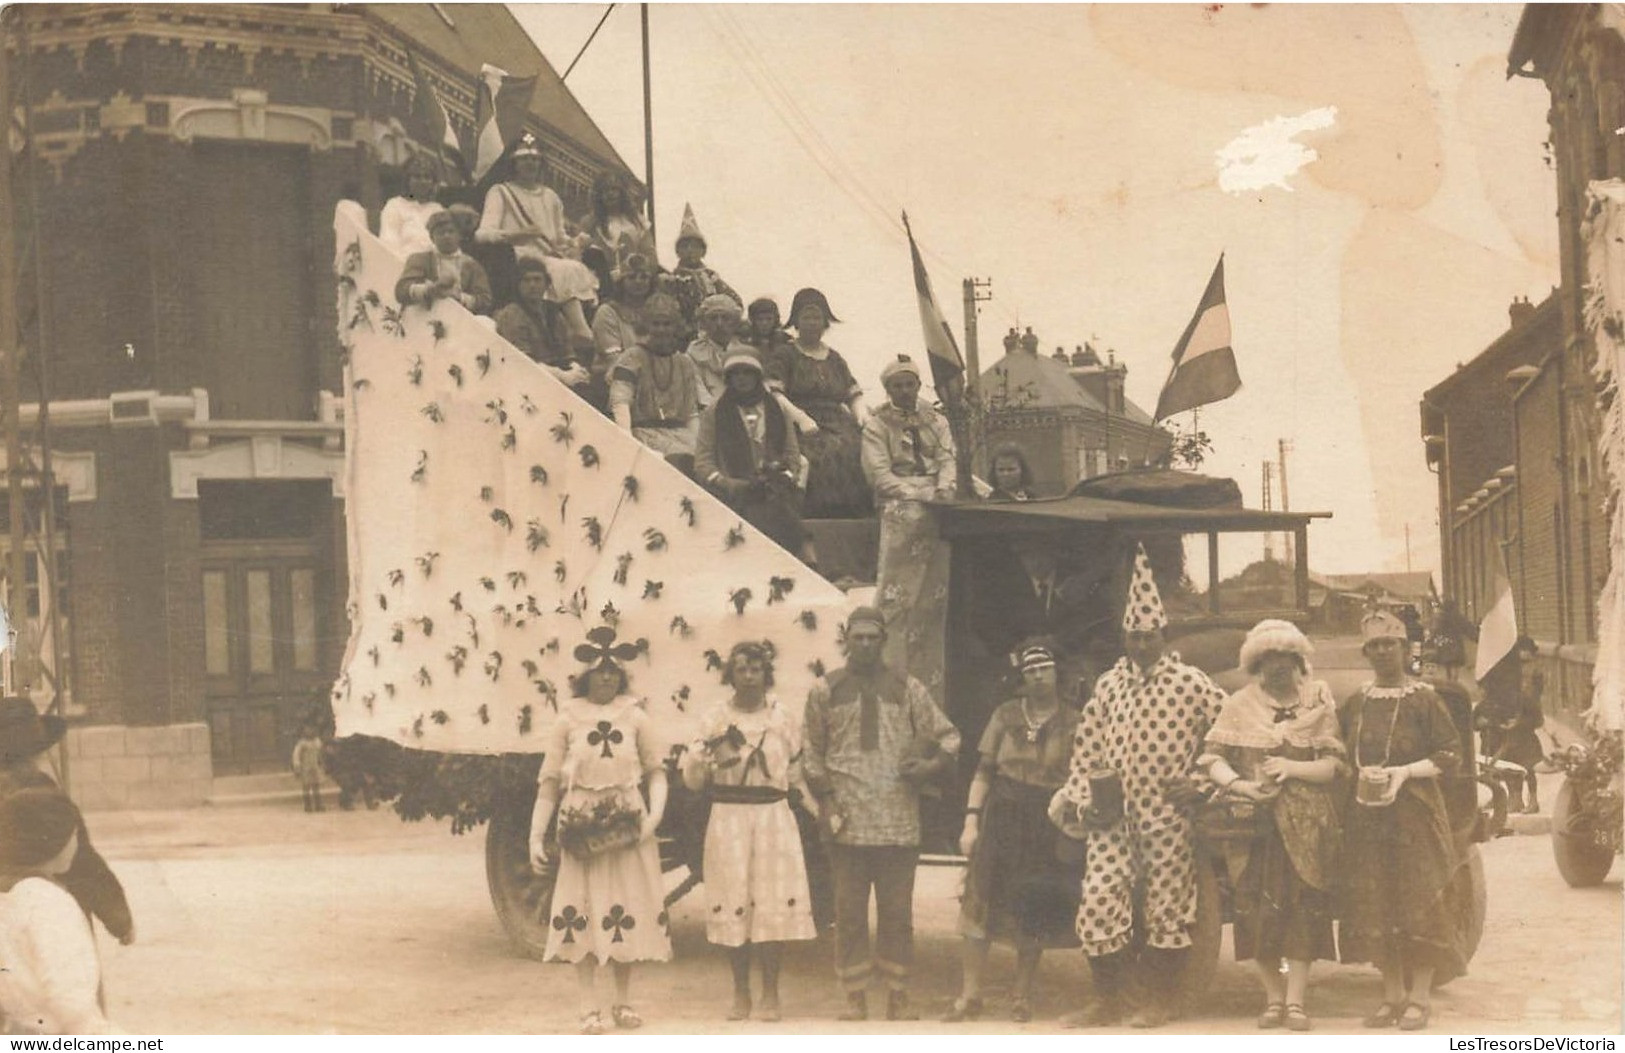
(1536, 825)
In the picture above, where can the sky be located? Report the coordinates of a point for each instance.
(1377, 185)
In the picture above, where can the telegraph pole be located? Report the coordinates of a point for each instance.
(976, 290)
(1282, 446)
(11, 364)
(648, 129)
(1264, 491)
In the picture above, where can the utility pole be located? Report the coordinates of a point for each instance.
(1283, 446)
(1407, 548)
(1269, 538)
(976, 290)
(648, 129)
(11, 370)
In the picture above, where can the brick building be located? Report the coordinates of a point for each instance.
(1068, 413)
(1530, 400)
(186, 166)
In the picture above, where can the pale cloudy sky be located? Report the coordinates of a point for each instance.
(1072, 154)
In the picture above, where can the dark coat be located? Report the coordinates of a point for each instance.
(88, 878)
(420, 268)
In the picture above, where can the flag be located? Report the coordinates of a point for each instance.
(1204, 365)
(947, 367)
(1498, 632)
(431, 121)
(500, 106)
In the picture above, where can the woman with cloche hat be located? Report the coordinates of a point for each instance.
(1398, 854)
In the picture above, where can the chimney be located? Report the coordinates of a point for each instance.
(1520, 311)
(1115, 374)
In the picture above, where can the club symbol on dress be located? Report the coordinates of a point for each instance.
(606, 735)
(619, 922)
(570, 921)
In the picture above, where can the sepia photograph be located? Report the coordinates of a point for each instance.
(838, 519)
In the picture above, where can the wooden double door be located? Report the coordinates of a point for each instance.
(263, 614)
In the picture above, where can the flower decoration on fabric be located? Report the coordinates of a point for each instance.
(601, 651)
(1144, 611)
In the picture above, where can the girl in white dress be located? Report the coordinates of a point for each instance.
(748, 761)
(404, 223)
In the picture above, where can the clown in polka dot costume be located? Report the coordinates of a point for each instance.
(1145, 721)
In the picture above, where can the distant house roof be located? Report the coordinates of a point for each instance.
(470, 35)
(1027, 381)
(1411, 585)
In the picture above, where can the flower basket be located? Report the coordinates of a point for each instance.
(608, 826)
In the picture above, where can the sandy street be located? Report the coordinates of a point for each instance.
(263, 919)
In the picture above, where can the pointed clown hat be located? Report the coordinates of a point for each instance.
(1143, 612)
(690, 227)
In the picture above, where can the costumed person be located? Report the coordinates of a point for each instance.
(1012, 477)
(908, 458)
(403, 225)
(815, 379)
(444, 273)
(874, 738)
(654, 389)
(307, 766)
(618, 321)
(747, 453)
(691, 281)
(51, 980)
(765, 329)
(609, 900)
(533, 324)
(1398, 906)
(718, 318)
(1273, 754)
(1509, 716)
(748, 763)
(25, 739)
(526, 214)
(616, 227)
(1019, 887)
(1130, 790)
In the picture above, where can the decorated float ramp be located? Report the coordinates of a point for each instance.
(495, 519)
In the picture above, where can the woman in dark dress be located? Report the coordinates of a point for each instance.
(817, 381)
(1018, 890)
(1398, 854)
(1274, 752)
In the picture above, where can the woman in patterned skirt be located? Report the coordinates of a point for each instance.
(748, 762)
(609, 904)
(1399, 856)
(1018, 888)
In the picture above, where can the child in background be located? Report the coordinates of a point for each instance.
(307, 765)
(691, 281)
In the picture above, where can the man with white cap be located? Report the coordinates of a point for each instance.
(1137, 742)
(873, 738)
(748, 453)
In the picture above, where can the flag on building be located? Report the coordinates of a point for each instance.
(947, 367)
(500, 105)
(1498, 632)
(1204, 365)
(432, 121)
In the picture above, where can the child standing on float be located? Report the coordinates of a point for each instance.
(608, 908)
(748, 761)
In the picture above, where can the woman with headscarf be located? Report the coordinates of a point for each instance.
(817, 381)
(608, 903)
(1398, 854)
(1018, 889)
(527, 215)
(748, 763)
(1012, 477)
(747, 452)
(532, 324)
(1274, 752)
(404, 223)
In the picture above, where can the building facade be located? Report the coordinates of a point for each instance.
(185, 165)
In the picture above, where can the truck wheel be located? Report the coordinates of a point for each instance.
(1472, 898)
(1582, 862)
(1206, 935)
(523, 898)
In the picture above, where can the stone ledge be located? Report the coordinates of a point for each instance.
(113, 767)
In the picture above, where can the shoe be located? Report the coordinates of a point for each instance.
(1102, 1012)
(1150, 1015)
(740, 1010)
(963, 1009)
(626, 1018)
(1384, 1015)
(1415, 1016)
(1021, 1009)
(1273, 1016)
(592, 1023)
(898, 1007)
(768, 1012)
(857, 1007)
(1296, 1018)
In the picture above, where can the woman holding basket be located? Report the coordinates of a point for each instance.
(609, 902)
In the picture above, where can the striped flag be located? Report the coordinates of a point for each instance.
(500, 107)
(1204, 365)
(947, 367)
(1498, 632)
(431, 121)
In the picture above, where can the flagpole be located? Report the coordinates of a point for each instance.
(10, 371)
(648, 132)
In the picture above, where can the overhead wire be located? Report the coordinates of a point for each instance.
(590, 38)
